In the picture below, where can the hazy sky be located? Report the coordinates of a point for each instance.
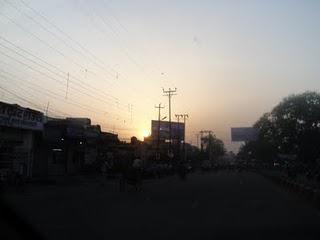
(231, 61)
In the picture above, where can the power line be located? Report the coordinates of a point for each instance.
(29, 94)
(64, 33)
(117, 33)
(125, 51)
(92, 89)
(89, 108)
(26, 100)
(123, 47)
(53, 94)
(48, 92)
(76, 42)
(44, 28)
(50, 46)
(58, 38)
(51, 65)
(42, 42)
(114, 16)
(56, 80)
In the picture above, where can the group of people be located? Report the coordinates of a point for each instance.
(132, 172)
(129, 173)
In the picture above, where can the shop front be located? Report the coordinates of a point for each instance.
(20, 133)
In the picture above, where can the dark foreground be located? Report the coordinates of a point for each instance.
(223, 205)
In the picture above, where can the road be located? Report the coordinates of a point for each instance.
(223, 205)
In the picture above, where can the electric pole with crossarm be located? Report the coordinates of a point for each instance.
(178, 116)
(185, 116)
(159, 107)
(169, 93)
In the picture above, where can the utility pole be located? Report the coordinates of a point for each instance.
(185, 116)
(178, 116)
(169, 93)
(159, 107)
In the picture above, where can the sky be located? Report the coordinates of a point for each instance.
(231, 61)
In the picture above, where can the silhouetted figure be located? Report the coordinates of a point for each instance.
(132, 175)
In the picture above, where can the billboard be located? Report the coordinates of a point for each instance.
(244, 134)
(12, 115)
(177, 130)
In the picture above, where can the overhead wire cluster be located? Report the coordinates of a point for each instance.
(43, 67)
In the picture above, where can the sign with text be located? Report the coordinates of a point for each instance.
(13, 115)
(177, 130)
(244, 134)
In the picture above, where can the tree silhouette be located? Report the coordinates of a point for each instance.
(213, 146)
(292, 127)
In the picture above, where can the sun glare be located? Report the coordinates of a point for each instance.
(145, 133)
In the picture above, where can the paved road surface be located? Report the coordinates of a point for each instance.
(224, 205)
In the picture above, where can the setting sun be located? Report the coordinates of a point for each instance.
(145, 133)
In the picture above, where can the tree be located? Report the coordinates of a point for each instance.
(292, 127)
(297, 125)
(213, 146)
